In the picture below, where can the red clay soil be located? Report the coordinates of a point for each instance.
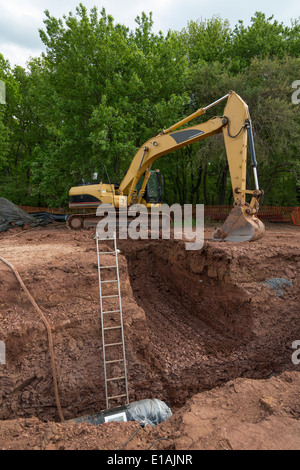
(202, 332)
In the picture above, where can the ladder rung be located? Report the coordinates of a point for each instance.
(103, 239)
(115, 378)
(116, 360)
(117, 396)
(108, 267)
(107, 252)
(112, 311)
(107, 282)
(108, 296)
(112, 328)
(112, 344)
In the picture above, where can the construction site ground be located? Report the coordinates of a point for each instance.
(209, 331)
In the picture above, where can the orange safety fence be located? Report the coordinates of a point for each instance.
(266, 213)
(43, 209)
(295, 214)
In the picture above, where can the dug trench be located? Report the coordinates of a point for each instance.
(192, 320)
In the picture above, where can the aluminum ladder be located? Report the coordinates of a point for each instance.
(113, 343)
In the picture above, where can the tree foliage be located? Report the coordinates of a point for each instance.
(101, 90)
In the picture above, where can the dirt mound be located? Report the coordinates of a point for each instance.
(193, 321)
(243, 414)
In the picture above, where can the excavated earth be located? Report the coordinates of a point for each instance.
(210, 331)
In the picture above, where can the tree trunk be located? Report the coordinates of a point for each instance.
(205, 186)
(222, 186)
(195, 187)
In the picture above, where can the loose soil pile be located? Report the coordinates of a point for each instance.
(193, 321)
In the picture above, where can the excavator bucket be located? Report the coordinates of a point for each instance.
(239, 227)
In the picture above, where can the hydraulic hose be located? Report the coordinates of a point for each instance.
(50, 339)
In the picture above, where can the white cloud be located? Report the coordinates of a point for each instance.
(20, 8)
(18, 55)
(19, 26)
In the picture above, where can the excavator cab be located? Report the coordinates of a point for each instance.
(154, 189)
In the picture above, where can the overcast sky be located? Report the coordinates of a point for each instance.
(20, 20)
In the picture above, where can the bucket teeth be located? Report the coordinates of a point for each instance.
(239, 227)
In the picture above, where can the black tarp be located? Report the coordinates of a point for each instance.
(50, 217)
(12, 216)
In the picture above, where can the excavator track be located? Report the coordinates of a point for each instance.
(82, 221)
(88, 221)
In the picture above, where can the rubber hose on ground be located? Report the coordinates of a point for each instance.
(50, 339)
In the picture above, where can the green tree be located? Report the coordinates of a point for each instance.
(207, 40)
(264, 37)
(105, 84)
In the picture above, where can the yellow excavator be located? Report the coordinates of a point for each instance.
(142, 185)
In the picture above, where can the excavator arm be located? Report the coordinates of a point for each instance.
(235, 124)
(164, 144)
